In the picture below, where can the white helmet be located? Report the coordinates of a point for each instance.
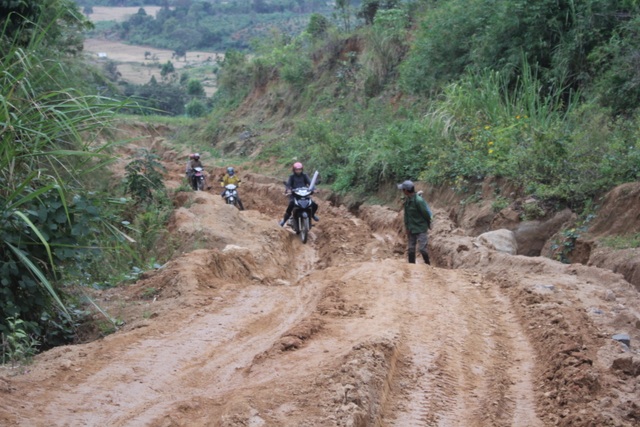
(196, 155)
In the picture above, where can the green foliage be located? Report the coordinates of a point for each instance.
(144, 177)
(532, 211)
(167, 68)
(156, 98)
(499, 203)
(630, 241)
(195, 108)
(441, 50)
(234, 76)
(16, 344)
(386, 45)
(216, 26)
(511, 89)
(318, 26)
(618, 85)
(54, 218)
(60, 20)
(556, 38)
(297, 70)
(343, 12)
(369, 9)
(195, 88)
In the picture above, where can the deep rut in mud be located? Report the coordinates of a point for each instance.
(256, 329)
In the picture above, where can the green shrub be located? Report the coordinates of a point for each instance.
(195, 108)
(195, 88)
(630, 241)
(318, 26)
(144, 177)
(385, 46)
(17, 345)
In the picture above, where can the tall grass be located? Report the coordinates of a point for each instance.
(552, 145)
(47, 147)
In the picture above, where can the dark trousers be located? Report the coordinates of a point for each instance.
(292, 204)
(421, 240)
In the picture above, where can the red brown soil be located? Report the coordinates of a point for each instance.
(254, 328)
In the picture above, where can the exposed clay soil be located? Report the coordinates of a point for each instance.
(256, 329)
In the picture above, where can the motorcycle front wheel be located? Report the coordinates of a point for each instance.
(304, 229)
(200, 185)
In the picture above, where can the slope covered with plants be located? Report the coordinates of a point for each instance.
(543, 94)
(62, 222)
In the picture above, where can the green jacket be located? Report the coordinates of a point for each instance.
(417, 215)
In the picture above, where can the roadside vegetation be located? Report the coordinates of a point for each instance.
(64, 225)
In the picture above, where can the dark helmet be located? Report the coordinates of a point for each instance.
(230, 171)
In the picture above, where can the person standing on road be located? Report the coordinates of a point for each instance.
(417, 220)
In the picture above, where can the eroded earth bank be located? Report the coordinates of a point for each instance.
(254, 328)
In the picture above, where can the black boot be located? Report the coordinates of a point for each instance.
(284, 220)
(412, 258)
(425, 257)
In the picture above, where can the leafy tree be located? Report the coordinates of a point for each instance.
(61, 19)
(369, 8)
(195, 108)
(195, 88)
(234, 78)
(318, 25)
(160, 98)
(556, 38)
(167, 68)
(180, 52)
(343, 9)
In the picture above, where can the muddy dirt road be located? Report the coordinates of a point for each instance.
(256, 329)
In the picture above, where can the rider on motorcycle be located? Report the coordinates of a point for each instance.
(231, 178)
(187, 171)
(296, 180)
(193, 163)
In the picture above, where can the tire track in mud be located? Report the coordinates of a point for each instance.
(472, 370)
(205, 355)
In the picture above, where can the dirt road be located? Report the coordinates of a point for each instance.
(256, 329)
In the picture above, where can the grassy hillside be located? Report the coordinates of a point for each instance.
(539, 93)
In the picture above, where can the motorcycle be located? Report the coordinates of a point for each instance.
(230, 195)
(197, 179)
(301, 215)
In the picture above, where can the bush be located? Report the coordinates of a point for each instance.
(318, 26)
(195, 108)
(195, 88)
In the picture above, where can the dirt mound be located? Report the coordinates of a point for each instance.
(619, 213)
